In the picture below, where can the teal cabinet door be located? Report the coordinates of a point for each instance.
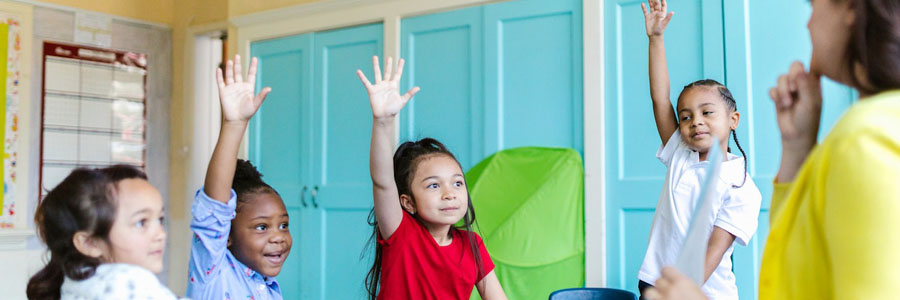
(444, 56)
(634, 177)
(762, 38)
(342, 186)
(533, 75)
(279, 142)
(744, 44)
(310, 140)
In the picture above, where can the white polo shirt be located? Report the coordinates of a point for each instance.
(736, 211)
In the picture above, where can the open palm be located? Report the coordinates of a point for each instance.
(236, 94)
(657, 18)
(384, 94)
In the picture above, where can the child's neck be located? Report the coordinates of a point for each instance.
(440, 233)
(704, 154)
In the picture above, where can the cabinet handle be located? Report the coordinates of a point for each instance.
(315, 191)
(303, 196)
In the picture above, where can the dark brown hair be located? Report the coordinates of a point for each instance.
(248, 181)
(406, 161)
(84, 201)
(874, 45)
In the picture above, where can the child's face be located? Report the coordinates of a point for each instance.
(439, 191)
(702, 115)
(259, 233)
(137, 236)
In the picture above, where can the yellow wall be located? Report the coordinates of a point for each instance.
(159, 11)
(244, 7)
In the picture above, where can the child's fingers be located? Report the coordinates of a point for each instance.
(668, 18)
(644, 8)
(399, 72)
(362, 77)
(261, 97)
(652, 294)
(251, 74)
(409, 94)
(388, 68)
(663, 5)
(238, 77)
(219, 80)
(229, 72)
(377, 69)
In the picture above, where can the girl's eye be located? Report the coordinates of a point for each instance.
(261, 227)
(685, 118)
(459, 183)
(141, 223)
(433, 186)
(707, 112)
(284, 226)
(162, 220)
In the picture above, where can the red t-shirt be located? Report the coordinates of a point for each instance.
(414, 266)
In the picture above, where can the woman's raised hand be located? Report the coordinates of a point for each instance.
(384, 94)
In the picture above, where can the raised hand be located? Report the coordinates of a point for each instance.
(384, 95)
(657, 18)
(236, 94)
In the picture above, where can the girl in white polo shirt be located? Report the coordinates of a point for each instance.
(706, 113)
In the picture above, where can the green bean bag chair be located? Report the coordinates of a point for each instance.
(529, 205)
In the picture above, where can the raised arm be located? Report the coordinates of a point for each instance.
(238, 106)
(656, 20)
(386, 102)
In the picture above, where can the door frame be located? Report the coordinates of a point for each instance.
(332, 14)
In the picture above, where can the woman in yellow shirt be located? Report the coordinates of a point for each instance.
(835, 211)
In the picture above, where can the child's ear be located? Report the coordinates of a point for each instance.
(735, 119)
(88, 245)
(408, 204)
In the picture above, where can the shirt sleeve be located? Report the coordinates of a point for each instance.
(487, 265)
(400, 233)
(739, 213)
(862, 214)
(667, 152)
(211, 225)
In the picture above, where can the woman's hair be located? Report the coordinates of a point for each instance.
(406, 161)
(874, 45)
(84, 201)
(248, 181)
(732, 107)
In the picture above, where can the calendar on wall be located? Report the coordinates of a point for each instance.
(94, 110)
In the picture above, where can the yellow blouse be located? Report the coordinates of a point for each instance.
(835, 230)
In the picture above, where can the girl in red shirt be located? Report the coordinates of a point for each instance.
(420, 197)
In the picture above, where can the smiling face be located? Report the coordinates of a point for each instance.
(137, 236)
(702, 115)
(440, 196)
(259, 233)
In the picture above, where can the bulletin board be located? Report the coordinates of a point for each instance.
(10, 67)
(94, 110)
